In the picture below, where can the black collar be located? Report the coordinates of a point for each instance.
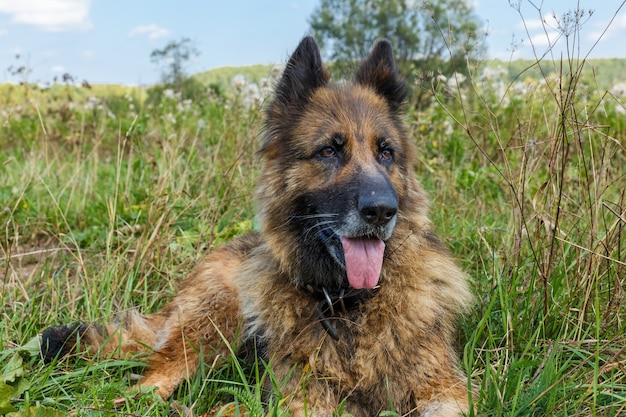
(333, 302)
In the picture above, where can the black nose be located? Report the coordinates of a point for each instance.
(378, 215)
(378, 203)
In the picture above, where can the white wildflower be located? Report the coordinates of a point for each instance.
(521, 89)
(491, 74)
(92, 103)
(276, 72)
(619, 90)
(448, 129)
(267, 87)
(238, 83)
(456, 80)
(251, 95)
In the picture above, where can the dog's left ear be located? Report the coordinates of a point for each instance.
(379, 71)
(303, 74)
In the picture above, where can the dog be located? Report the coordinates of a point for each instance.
(345, 291)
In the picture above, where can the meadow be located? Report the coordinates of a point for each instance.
(107, 201)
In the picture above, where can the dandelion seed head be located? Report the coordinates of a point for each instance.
(239, 83)
(619, 90)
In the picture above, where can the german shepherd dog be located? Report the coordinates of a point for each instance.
(345, 291)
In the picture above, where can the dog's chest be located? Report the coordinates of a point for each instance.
(362, 344)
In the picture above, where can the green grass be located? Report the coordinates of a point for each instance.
(223, 76)
(600, 72)
(106, 204)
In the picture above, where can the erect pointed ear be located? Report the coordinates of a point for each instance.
(379, 71)
(303, 74)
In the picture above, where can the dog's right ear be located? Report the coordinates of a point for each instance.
(303, 74)
(379, 71)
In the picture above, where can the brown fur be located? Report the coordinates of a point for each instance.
(394, 347)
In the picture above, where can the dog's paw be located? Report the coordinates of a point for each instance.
(179, 410)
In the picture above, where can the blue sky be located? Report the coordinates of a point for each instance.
(109, 41)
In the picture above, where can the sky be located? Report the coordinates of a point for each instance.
(109, 41)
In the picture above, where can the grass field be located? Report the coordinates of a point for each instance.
(106, 204)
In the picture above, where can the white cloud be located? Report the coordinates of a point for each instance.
(548, 21)
(545, 39)
(543, 31)
(49, 15)
(151, 31)
(615, 29)
(3, 32)
(530, 24)
(87, 54)
(57, 69)
(620, 21)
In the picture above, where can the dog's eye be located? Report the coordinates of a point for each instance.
(386, 154)
(327, 152)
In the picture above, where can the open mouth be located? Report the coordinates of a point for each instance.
(362, 257)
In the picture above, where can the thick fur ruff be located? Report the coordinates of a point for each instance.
(346, 290)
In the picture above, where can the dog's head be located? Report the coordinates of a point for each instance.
(337, 169)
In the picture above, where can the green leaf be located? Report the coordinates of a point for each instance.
(20, 387)
(6, 393)
(38, 411)
(33, 346)
(12, 384)
(13, 369)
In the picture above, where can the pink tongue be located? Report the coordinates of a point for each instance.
(364, 260)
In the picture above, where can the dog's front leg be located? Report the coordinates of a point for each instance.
(203, 324)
